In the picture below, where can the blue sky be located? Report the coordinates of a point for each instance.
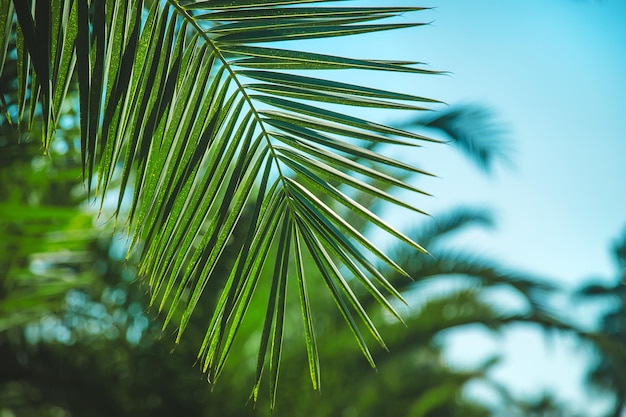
(554, 71)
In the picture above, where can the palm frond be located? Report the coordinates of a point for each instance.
(472, 128)
(451, 222)
(201, 117)
(488, 274)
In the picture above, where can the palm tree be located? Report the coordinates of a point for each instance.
(196, 116)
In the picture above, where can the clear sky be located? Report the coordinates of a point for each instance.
(554, 71)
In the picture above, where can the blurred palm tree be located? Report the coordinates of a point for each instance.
(609, 372)
(473, 128)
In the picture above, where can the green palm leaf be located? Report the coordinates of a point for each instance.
(473, 129)
(199, 124)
